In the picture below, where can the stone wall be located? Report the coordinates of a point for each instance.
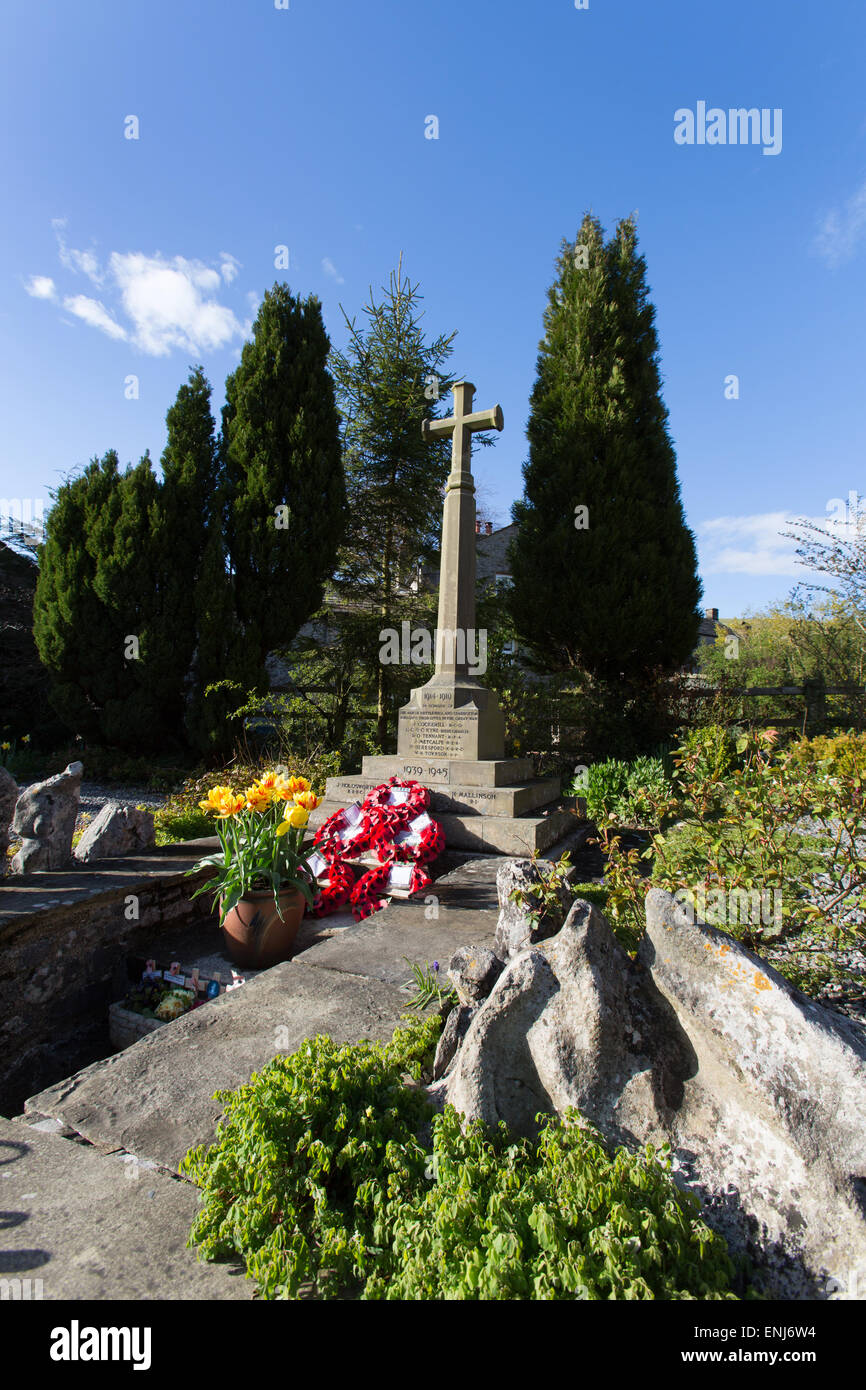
(65, 937)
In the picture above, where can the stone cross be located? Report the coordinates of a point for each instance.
(457, 562)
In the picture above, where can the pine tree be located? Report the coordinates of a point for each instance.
(388, 382)
(285, 495)
(613, 590)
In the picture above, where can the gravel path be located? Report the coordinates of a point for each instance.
(94, 796)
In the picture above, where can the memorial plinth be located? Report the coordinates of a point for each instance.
(451, 733)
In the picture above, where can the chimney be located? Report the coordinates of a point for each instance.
(478, 528)
(488, 528)
(713, 614)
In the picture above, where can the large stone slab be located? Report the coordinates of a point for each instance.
(458, 910)
(510, 835)
(155, 1099)
(91, 1226)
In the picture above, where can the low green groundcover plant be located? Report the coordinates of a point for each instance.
(329, 1179)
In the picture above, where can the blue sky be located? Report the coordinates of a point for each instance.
(305, 127)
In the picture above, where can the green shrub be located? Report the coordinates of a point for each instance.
(843, 755)
(715, 750)
(329, 1178)
(626, 790)
(175, 823)
(556, 1218)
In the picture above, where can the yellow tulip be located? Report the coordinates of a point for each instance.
(298, 784)
(215, 798)
(296, 817)
(308, 800)
(272, 782)
(257, 798)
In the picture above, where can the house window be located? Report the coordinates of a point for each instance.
(503, 581)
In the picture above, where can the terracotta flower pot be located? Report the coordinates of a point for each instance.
(255, 935)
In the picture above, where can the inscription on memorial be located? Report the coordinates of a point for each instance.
(428, 771)
(449, 733)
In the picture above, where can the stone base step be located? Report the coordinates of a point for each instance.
(508, 835)
(432, 772)
(516, 799)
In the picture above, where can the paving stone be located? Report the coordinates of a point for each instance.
(96, 1227)
(155, 1099)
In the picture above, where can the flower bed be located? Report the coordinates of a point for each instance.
(161, 997)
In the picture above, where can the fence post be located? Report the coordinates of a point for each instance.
(815, 696)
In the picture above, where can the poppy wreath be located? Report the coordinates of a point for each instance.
(381, 821)
(328, 839)
(427, 848)
(420, 880)
(335, 891)
(368, 893)
(379, 799)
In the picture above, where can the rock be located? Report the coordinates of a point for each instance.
(45, 817)
(760, 1092)
(473, 972)
(117, 830)
(452, 1035)
(565, 1026)
(8, 797)
(514, 930)
(775, 1107)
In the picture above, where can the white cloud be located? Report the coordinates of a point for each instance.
(842, 230)
(41, 287)
(330, 269)
(94, 312)
(170, 303)
(155, 302)
(229, 266)
(85, 262)
(750, 544)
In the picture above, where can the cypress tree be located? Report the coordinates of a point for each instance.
(612, 591)
(186, 512)
(76, 643)
(285, 494)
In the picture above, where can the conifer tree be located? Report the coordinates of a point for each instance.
(187, 509)
(75, 642)
(388, 381)
(285, 494)
(613, 589)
